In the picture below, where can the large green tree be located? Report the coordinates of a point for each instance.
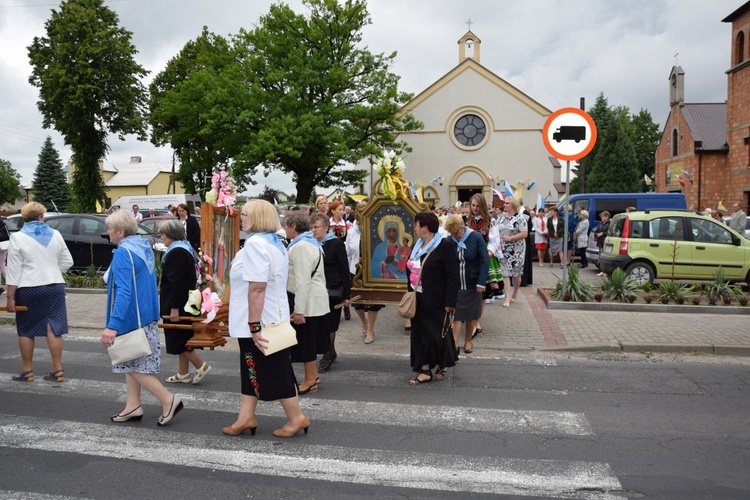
(646, 137)
(89, 86)
(50, 185)
(317, 99)
(10, 183)
(193, 107)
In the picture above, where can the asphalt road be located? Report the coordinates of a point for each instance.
(520, 425)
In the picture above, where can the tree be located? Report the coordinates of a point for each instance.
(10, 183)
(193, 107)
(49, 182)
(646, 140)
(269, 194)
(89, 86)
(317, 101)
(614, 166)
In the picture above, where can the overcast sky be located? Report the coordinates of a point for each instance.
(554, 51)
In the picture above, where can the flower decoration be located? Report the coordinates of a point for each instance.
(222, 190)
(202, 299)
(391, 168)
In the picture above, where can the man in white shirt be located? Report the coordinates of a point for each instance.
(138, 216)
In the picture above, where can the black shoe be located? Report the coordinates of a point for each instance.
(347, 313)
(174, 408)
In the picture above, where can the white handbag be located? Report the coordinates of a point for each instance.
(133, 344)
(280, 335)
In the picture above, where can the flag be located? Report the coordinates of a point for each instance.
(648, 180)
(57, 210)
(687, 175)
(508, 190)
(721, 205)
(539, 201)
(681, 180)
(498, 193)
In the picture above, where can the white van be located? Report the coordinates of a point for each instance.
(158, 201)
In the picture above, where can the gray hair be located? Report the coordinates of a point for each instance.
(299, 221)
(172, 229)
(122, 220)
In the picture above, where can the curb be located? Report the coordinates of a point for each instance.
(556, 305)
(85, 291)
(725, 350)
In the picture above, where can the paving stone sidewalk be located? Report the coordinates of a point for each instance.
(526, 325)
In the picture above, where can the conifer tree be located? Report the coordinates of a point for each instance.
(50, 183)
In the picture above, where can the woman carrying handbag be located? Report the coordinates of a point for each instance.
(131, 279)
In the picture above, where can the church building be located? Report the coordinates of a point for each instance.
(704, 150)
(479, 132)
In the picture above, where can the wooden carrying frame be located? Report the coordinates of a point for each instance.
(220, 239)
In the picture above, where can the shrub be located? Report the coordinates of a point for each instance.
(647, 298)
(696, 300)
(577, 290)
(598, 297)
(719, 287)
(619, 285)
(672, 289)
(680, 299)
(648, 286)
(742, 300)
(727, 299)
(712, 301)
(631, 298)
(664, 299)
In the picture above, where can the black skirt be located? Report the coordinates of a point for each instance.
(175, 340)
(428, 345)
(267, 378)
(333, 318)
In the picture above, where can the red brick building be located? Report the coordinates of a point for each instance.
(704, 150)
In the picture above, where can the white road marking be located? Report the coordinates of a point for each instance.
(455, 418)
(423, 471)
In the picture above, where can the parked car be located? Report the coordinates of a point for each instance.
(659, 244)
(10, 224)
(86, 238)
(152, 223)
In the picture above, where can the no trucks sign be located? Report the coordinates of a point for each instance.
(569, 134)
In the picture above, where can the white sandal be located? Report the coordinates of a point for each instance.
(201, 372)
(179, 379)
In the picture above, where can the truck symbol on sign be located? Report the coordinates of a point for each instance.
(569, 133)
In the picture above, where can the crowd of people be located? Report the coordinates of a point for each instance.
(460, 261)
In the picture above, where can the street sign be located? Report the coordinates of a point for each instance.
(569, 134)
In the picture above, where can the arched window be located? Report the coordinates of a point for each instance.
(739, 48)
(675, 149)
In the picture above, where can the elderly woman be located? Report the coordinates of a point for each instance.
(473, 264)
(190, 223)
(308, 297)
(37, 257)
(513, 230)
(581, 237)
(338, 282)
(177, 280)
(132, 302)
(437, 290)
(258, 275)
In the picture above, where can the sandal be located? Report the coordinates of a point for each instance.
(24, 376)
(201, 372)
(177, 378)
(56, 376)
(371, 339)
(324, 365)
(416, 381)
(440, 373)
(310, 390)
(477, 331)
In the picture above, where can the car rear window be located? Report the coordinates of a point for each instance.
(616, 226)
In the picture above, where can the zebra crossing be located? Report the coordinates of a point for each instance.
(413, 413)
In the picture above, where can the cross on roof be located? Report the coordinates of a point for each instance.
(469, 23)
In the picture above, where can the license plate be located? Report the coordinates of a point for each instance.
(608, 248)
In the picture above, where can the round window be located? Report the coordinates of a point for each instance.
(470, 130)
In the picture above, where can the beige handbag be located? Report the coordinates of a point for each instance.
(407, 307)
(280, 335)
(133, 344)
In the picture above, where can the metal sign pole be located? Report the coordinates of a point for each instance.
(565, 230)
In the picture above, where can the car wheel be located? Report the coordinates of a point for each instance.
(641, 272)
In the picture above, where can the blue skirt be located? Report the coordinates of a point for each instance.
(46, 305)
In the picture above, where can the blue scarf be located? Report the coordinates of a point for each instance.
(330, 235)
(419, 248)
(462, 241)
(271, 238)
(39, 231)
(141, 248)
(178, 244)
(308, 237)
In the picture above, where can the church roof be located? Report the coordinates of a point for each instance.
(737, 13)
(470, 64)
(708, 124)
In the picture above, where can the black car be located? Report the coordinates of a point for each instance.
(85, 236)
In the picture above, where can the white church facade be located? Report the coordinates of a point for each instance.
(479, 131)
